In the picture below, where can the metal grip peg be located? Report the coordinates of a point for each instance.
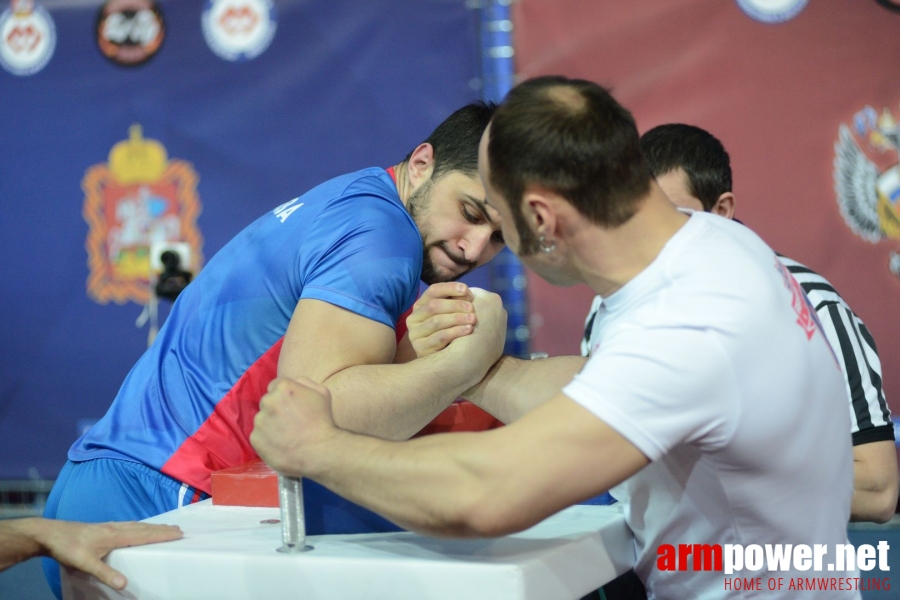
(293, 523)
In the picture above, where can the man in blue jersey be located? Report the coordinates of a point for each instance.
(315, 288)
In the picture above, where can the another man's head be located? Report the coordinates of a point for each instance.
(691, 166)
(566, 138)
(459, 231)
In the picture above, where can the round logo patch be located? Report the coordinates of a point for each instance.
(772, 11)
(27, 38)
(238, 29)
(130, 32)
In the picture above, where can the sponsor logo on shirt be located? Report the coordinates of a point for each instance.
(772, 11)
(807, 318)
(755, 567)
(27, 38)
(130, 32)
(239, 29)
(867, 177)
(138, 199)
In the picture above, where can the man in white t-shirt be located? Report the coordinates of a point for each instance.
(697, 394)
(694, 170)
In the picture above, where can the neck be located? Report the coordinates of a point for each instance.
(610, 258)
(404, 187)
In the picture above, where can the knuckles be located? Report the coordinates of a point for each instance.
(489, 301)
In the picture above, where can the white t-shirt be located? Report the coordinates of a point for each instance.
(711, 362)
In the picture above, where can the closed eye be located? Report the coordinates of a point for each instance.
(470, 216)
(479, 216)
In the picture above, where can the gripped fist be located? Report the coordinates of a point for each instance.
(294, 416)
(443, 313)
(478, 351)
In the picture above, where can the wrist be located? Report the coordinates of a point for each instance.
(29, 536)
(318, 457)
(490, 390)
(455, 375)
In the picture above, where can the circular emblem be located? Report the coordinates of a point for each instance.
(130, 32)
(27, 38)
(238, 29)
(772, 11)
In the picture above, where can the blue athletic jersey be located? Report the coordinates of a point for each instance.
(187, 406)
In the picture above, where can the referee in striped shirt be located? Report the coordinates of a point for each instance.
(694, 170)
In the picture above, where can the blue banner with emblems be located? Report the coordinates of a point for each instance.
(130, 127)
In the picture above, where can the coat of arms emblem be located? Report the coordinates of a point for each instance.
(867, 177)
(140, 198)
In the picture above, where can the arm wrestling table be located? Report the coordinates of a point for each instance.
(229, 553)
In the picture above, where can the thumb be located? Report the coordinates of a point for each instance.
(109, 576)
(103, 572)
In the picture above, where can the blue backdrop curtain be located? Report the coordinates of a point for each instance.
(343, 85)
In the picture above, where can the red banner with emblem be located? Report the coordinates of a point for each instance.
(804, 97)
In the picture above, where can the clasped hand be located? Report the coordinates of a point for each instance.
(451, 311)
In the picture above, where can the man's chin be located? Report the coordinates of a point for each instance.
(433, 277)
(435, 272)
(432, 274)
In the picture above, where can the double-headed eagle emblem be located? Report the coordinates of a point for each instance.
(868, 197)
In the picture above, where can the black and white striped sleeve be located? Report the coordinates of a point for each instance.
(870, 416)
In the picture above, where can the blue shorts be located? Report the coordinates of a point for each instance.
(108, 489)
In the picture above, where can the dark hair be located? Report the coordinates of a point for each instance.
(698, 152)
(572, 137)
(455, 141)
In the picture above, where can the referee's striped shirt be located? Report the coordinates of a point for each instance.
(870, 417)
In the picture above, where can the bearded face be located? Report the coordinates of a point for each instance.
(457, 233)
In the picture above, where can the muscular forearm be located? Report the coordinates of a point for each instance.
(430, 484)
(352, 356)
(19, 540)
(396, 401)
(462, 484)
(513, 386)
(874, 482)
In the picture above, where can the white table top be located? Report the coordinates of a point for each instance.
(227, 553)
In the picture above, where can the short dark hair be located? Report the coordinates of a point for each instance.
(455, 141)
(703, 158)
(572, 137)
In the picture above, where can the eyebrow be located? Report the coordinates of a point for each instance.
(482, 206)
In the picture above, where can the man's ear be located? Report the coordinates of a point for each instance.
(724, 206)
(420, 164)
(539, 212)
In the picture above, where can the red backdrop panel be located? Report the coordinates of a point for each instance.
(775, 94)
